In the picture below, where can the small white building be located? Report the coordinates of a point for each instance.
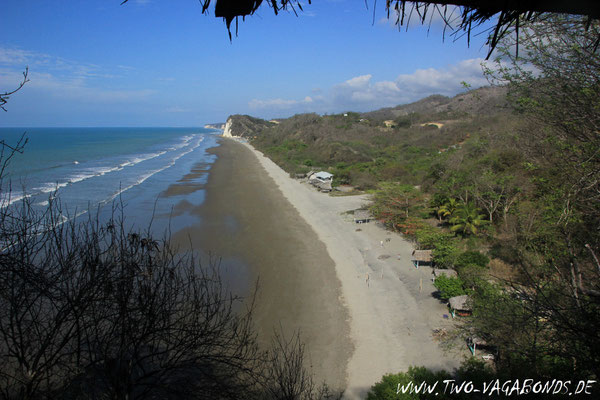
(322, 180)
(322, 176)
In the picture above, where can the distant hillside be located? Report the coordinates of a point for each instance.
(426, 105)
(218, 125)
(399, 144)
(245, 126)
(486, 100)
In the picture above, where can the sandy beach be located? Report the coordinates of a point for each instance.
(350, 289)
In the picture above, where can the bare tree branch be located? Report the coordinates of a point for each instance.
(5, 96)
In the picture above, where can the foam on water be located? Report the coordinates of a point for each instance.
(91, 167)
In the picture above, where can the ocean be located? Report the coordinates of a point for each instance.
(91, 169)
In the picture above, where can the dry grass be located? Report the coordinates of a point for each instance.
(502, 271)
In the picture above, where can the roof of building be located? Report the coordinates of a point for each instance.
(460, 302)
(323, 175)
(422, 255)
(450, 273)
(477, 341)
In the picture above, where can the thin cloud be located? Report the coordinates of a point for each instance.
(280, 104)
(76, 88)
(53, 76)
(177, 109)
(10, 56)
(362, 93)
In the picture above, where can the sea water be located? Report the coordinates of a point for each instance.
(92, 169)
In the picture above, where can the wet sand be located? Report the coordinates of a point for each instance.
(245, 217)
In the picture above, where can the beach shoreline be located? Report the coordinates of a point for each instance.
(392, 311)
(246, 221)
(361, 307)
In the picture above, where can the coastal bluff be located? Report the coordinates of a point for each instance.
(245, 126)
(218, 125)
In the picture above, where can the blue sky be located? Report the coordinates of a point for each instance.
(163, 63)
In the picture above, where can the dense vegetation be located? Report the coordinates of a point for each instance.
(505, 189)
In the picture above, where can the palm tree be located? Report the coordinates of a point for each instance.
(466, 219)
(447, 209)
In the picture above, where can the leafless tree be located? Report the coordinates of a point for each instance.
(6, 95)
(87, 309)
(286, 376)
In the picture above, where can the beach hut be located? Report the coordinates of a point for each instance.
(323, 176)
(362, 216)
(460, 305)
(474, 343)
(448, 273)
(421, 257)
(321, 180)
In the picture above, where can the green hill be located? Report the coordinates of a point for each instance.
(393, 144)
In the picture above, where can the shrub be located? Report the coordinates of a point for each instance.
(410, 226)
(429, 237)
(449, 286)
(472, 258)
(403, 121)
(445, 253)
(390, 386)
(471, 275)
(505, 251)
(443, 244)
(476, 371)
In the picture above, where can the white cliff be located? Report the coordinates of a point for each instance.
(227, 130)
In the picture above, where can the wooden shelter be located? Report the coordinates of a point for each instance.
(460, 304)
(421, 257)
(474, 343)
(448, 273)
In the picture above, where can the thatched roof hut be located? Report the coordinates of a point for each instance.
(460, 303)
(422, 255)
(448, 273)
(474, 343)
